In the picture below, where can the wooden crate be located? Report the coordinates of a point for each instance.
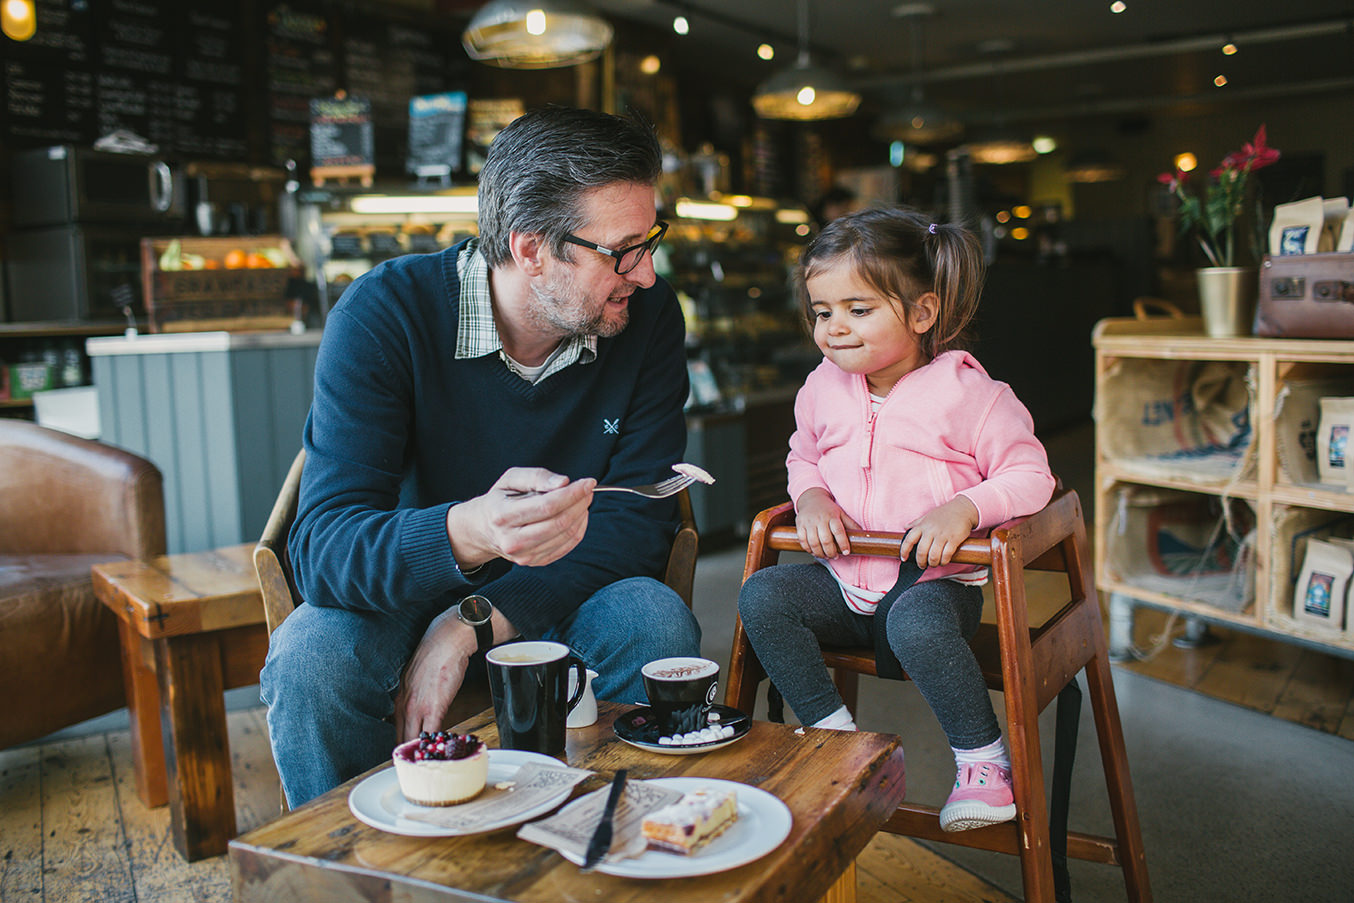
(217, 297)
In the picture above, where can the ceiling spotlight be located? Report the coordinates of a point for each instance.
(1220, 81)
(650, 65)
(766, 52)
(681, 25)
(1186, 162)
(1044, 144)
(18, 19)
(535, 34)
(1229, 48)
(1118, 6)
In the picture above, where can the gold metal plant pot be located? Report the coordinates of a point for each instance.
(1227, 297)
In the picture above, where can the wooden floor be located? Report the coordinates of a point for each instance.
(1284, 680)
(72, 829)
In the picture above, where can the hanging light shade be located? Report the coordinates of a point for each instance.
(805, 91)
(917, 122)
(1089, 166)
(535, 34)
(1001, 146)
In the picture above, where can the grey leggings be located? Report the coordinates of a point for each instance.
(790, 610)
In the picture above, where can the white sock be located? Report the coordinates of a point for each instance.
(992, 752)
(839, 720)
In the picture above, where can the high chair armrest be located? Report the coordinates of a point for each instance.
(1033, 535)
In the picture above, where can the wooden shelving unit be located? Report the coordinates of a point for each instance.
(1259, 479)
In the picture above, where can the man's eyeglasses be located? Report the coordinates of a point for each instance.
(626, 258)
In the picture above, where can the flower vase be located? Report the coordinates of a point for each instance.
(1227, 297)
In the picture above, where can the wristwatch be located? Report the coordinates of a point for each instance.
(476, 611)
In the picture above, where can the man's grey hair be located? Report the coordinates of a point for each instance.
(539, 167)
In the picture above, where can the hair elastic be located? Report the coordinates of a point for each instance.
(931, 228)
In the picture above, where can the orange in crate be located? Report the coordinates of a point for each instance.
(246, 291)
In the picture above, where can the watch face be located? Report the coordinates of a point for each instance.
(475, 609)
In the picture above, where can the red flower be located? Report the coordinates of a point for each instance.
(1212, 211)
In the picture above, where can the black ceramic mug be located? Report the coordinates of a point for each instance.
(681, 690)
(530, 685)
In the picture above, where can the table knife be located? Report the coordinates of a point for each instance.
(601, 837)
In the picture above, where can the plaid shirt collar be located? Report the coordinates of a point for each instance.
(478, 336)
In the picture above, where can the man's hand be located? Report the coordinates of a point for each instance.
(433, 676)
(530, 530)
(435, 672)
(937, 535)
(822, 524)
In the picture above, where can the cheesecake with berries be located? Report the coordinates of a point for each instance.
(441, 768)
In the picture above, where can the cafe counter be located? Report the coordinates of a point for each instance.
(219, 413)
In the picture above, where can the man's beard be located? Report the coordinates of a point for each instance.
(563, 308)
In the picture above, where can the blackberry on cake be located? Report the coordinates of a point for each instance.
(441, 768)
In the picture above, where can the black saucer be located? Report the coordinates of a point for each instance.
(640, 728)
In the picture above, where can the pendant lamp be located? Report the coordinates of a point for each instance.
(805, 91)
(917, 122)
(1094, 165)
(1000, 145)
(535, 34)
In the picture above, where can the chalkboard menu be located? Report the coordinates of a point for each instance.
(221, 79)
(436, 128)
(300, 65)
(388, 63)
(171, 75)
(340, 132)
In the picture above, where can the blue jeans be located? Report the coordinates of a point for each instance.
(331, 674)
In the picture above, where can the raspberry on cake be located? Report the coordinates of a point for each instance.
(691, 822)
(441, 768)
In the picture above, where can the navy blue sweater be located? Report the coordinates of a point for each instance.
(399, 430)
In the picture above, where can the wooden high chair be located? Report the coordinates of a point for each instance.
(1030, 666)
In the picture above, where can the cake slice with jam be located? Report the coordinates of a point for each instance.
(693, 821)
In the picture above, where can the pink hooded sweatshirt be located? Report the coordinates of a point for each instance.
(945, 429)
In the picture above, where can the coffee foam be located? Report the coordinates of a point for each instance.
(528, 653)
(679, 668)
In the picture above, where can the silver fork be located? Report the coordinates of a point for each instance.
(660, 490)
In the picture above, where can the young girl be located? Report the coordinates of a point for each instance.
(898, 430)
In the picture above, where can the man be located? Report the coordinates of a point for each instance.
(466, 404)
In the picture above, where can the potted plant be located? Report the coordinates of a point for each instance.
(1227, 288)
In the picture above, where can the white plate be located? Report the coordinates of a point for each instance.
(377, 801)
(763, 822)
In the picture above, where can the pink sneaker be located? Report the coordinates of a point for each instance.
(981, 796)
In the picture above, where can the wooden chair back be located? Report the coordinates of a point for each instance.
(1032, 666)
(271, 561)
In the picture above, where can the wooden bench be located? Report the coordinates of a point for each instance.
(191, 627)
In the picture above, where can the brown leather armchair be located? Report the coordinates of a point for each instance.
(65, 504)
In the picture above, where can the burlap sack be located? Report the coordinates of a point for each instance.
(1174, 409)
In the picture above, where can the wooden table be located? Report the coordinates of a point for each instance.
(840, 787)
(191, 627)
